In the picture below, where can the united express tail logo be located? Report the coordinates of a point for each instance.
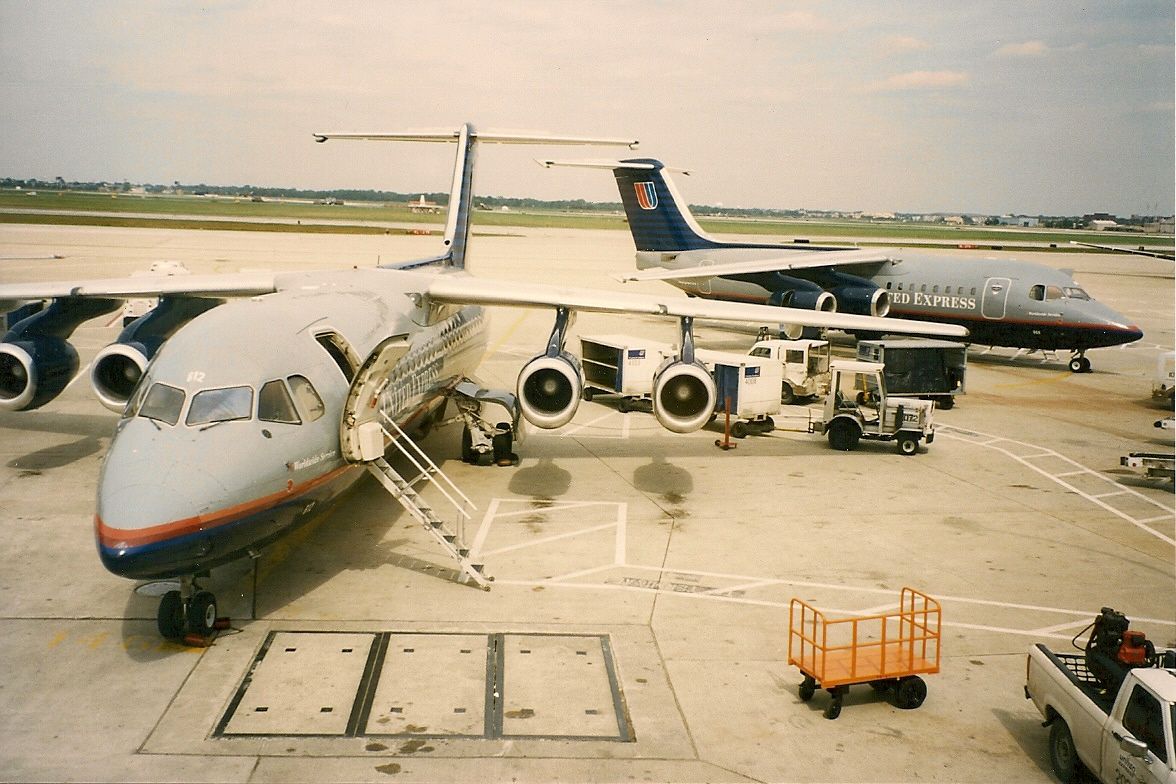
(646, 195)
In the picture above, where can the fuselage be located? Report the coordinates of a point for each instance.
(1001, 302)
(232, 437)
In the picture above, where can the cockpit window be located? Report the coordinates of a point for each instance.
(1073, 292)
(220, 405)
(163, 404)
(1053, 292)
(1037, 292)
(308, 400)
(274, 404)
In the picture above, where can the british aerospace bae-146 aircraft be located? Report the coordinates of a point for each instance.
(1001, 302)
(247, 400)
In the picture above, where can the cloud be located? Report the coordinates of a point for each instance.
(1024, 49)
(922, 80)
(897, 44)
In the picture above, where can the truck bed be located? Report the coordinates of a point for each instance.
(1073, 666)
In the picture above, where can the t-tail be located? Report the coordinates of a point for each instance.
(457, 218)
(658, 217)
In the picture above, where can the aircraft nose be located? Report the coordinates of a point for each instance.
(149, 512)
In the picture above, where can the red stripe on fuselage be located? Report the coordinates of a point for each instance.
(111, 537)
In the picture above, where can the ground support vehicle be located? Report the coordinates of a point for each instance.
(1164, 380)
(621, 365)
(1111, 708)
(888, 651)
(804, 365)
(1153, 465)
(746, 389)
(922, 368)
(859, 406)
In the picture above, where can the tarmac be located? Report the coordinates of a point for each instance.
(637, 628)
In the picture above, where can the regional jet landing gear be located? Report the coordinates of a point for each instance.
(188, 612)
(1079, 363)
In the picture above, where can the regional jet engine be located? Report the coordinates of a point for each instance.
(36, 360)
(549, 389)
(118, 367)
(855, 294)
(550, 385)
(683, 396)
(792, 292)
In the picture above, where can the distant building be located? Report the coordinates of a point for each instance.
(1023, 221)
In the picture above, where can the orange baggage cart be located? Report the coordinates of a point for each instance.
(888, 651)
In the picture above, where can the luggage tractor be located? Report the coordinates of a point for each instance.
(858, 407)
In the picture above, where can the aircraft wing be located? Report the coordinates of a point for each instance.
(465, 289)
(1159, 254)
(794, 261)
(239, 284)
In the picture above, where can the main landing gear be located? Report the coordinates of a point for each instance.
(189, 613)
(1079, 363)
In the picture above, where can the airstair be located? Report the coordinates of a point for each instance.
(403, 490)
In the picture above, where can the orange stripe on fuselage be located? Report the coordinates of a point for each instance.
(110, 537)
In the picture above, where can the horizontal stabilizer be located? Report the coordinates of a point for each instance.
(485, 137)
(812, 260)
(598, 163)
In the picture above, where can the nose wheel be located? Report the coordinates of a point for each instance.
(1079, 363)
(194, 616)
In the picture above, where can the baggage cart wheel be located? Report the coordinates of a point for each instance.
(833, 709)
(587, 394)
(808, 687)
(739, 430)
(911, 692)
(624, 406)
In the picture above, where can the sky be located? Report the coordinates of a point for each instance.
(1055, 108)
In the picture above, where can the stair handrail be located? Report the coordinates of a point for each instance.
(436, 470)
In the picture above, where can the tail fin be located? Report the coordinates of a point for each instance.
(457, 219)
(658, 217)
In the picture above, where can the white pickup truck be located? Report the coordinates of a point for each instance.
(1122, 736)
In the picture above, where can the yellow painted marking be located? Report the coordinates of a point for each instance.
(1050, 379)
(509, 332)
(97, 640)
(58, 639)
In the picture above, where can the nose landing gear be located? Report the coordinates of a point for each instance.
(1079, 363)
(189, 613)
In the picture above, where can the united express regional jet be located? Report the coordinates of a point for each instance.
(240, 393)
(1002, 302)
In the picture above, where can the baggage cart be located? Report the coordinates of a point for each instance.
(888, 651)
(621, 365)
(916, 367)
(747, 388)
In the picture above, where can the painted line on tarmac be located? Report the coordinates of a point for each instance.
(738, 583)
(998, 444)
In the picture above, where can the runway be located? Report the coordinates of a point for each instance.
(637, 626)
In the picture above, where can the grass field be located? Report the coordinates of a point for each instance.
(241, 214)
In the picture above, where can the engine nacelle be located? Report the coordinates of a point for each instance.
(34, 371)
(36, 360)
(116, 370)
(790, 292)
(862, 301)
(684, 396)
(810, 296)
(549, 390)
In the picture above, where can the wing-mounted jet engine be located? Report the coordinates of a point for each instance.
(117, 368)
(551, 384)
(854, 294)
(37, 361)
(684, 392)
(790, 292)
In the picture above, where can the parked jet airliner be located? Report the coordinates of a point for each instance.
(1002, 302)
(238, 418)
